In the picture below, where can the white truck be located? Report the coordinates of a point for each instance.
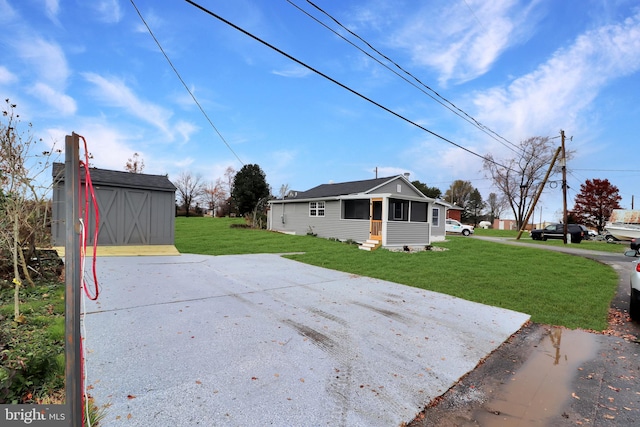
(454, 226)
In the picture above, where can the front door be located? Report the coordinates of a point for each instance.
(375, 230)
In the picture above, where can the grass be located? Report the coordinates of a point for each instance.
(32, 360)
(554, 288)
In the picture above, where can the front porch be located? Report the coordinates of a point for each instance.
(393, 221)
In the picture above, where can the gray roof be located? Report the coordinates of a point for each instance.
(118, 178)
(342, 188)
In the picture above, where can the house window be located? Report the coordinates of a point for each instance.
(435, 217)
(399, 210)
(356, 209)
(418, 212)
(316, 208)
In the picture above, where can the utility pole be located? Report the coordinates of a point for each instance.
(564, 190)
(537, 197)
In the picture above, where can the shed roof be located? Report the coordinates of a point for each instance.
(119, 179)
(342, 188)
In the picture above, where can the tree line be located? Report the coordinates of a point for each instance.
(239, 193)
(518, 179)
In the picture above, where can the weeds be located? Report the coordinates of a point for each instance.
(32, 360)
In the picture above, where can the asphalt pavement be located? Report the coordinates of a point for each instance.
(546, 376)
(254, 340)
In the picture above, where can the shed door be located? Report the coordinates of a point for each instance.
(375, 229)
(136, 217)
(125, 216)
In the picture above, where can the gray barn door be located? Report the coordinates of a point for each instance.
(124, 216)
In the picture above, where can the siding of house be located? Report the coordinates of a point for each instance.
(298, 221)
(392, 188)
(407, 233)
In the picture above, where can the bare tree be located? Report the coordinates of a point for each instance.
(230, 176)
(190, 188)
(23, 208)
(135, 164)
(214, 195)
(496, 206)
(518, 177)
(284, 190)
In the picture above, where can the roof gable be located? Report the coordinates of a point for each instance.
(366, 186)
(118, 178)
(341, 188)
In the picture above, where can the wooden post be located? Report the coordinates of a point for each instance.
(564, 191)
(73, 356)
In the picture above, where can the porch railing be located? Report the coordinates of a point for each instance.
(376, 227)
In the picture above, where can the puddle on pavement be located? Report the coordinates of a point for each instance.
(542, 386)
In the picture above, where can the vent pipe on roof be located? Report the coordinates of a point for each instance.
(406, 175)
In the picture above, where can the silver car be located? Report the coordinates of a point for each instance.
(634, 299)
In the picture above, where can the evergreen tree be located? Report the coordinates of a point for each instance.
(474, 207)
(250, 188)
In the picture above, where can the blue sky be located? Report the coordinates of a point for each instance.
(521, 68)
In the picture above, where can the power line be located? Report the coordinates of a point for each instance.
(331, 79)
(608, 170)
(184, 84)
(445, 102)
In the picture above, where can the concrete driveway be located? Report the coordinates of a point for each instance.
(253, 340)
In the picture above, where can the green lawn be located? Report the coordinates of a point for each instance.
(554, 288)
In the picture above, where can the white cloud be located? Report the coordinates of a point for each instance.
(152, 19)
(108, 10)
(7, 14)
(293, 71)
(463, 40)
(6, 76)
(186, 129)
(184, 163)
(64, 104)
(52, 7)
(115, 93)
(384, 171)
(47, 59)
(109, 147)
(551, 97)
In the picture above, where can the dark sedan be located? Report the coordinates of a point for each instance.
(556, 231)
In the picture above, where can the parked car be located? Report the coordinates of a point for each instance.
(453, 226)
(585, 232)
(634, 282)
(635, 245)
(556, 231)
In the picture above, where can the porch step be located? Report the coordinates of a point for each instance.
(370, 245)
